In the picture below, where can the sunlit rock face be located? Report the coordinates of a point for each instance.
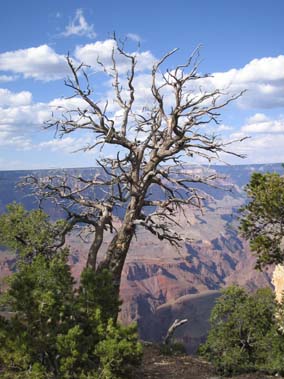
(278, 281)
(278, 277)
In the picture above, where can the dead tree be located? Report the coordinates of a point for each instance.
(151, 143)
(172, 328)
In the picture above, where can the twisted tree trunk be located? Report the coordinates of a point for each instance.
(118, 247)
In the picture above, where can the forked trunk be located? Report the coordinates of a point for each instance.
(116, 253)
(118, 248)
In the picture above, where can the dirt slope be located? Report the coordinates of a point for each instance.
(156, 366)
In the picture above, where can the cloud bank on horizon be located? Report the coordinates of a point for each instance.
(258, 113)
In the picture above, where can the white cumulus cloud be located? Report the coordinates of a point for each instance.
(263, 80)
(9, 98)
(262, 148)
(79, 26)
(67, 144)
(41, 63)
(13, 141)
(33, 114)
(21, 123)
(103, 50)
(260, 123)
(67, 104)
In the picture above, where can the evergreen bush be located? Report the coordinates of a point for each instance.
(245, 334)
(57, 330)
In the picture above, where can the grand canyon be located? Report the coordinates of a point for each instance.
(161, 283)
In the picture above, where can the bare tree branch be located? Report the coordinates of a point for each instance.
(152, 144)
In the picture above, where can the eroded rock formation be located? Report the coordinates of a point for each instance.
(278, 281)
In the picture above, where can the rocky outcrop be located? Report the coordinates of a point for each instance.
(278, 282)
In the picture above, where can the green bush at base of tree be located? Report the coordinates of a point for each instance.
(245, 333)
(59, 332)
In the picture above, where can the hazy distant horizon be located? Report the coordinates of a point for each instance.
(188, 164)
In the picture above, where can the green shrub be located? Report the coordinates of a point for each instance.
(59, 332)
(118, 351)
(28, 233)
(244, 333)
(97, 291)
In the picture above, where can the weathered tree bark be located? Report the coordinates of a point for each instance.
(95, 247)
(118, 248)
(176, 324)
(116, 253)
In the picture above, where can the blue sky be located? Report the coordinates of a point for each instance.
(243, 47)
